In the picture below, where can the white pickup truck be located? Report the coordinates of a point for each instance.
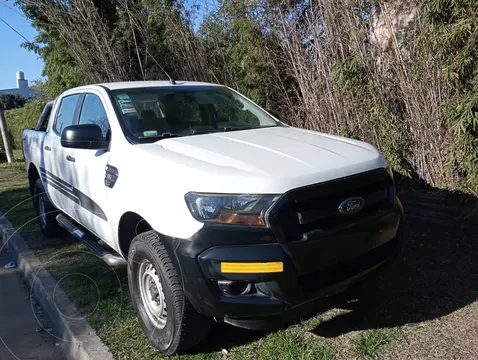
(219, 210)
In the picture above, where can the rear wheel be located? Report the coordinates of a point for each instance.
(46, 212)
(167, 318)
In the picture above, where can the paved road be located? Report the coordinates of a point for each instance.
(19, 338)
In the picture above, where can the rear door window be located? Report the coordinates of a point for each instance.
(66, 113)
(44, 119)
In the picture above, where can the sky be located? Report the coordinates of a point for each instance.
(13, 57)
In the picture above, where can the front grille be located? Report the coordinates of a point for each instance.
(313, 209)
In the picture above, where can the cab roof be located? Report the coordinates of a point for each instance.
(143, 84)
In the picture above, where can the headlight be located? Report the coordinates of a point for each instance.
(230, 209)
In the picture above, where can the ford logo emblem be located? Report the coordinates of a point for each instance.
(351, 206)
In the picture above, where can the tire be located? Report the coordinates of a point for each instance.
(169, 322)
(46, 212)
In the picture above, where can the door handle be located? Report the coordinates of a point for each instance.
(70, 158)
(47, 148)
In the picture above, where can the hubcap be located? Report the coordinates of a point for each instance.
(152, 294)
(41, 210)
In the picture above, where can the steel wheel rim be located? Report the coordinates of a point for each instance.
(152, 294)
(41, 210)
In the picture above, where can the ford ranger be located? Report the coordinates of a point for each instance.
(219, 210)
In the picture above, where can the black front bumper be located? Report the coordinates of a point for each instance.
(312, 270)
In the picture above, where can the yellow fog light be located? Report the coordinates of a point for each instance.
(252, 268)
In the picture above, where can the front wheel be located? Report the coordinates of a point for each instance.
(167, 318)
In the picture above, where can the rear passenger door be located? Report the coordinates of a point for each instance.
(32, 145)
(88, 170)
(56, 178)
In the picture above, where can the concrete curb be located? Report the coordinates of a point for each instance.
(79, 340)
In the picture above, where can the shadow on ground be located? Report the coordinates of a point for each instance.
(437, 275)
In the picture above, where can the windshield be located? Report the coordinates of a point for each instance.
(151, 113)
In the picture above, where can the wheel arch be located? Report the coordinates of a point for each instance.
(130, 225)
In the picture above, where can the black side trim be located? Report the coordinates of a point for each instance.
(60, 189)
(73, 193)
(54, 181)
(64, 183)
(88, 203)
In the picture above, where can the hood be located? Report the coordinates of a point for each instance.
(278, 152)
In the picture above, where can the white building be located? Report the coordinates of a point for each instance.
(22, 87)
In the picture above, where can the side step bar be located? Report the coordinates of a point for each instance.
(91, 244)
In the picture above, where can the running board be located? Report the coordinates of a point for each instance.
(91, 244)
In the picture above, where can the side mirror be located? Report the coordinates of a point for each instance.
(87, 136)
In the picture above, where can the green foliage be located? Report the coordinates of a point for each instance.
(451, 34)
(380, 122)
(394, 108)
(321, 65)
(352, 76)
(11, 101)
(23, 118)
(242, 52)
(60, 67)
(39, 87)
(367, 345)
(287, 345)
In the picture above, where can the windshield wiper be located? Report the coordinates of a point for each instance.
(204, 131)
(236, 128)
(222, 129)
(164, 135)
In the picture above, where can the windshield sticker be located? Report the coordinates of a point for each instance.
(150, 133)
(126, 104)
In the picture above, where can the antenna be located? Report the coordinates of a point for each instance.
(171, 80)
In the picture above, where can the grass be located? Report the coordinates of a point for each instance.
(288, 345)
(15, 198)
(368, 344)
(425, 306)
